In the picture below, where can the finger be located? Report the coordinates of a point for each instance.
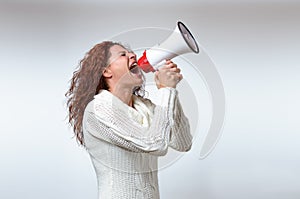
(156, 77)
(177, 70)
(172, 65)
(165, 66)
(177, 76)
(168, 61)
(180, 77)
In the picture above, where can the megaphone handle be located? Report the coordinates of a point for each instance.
(159, 65)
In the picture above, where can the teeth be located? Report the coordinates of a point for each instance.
(133, 65)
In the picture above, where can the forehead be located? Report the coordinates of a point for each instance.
(116, 49)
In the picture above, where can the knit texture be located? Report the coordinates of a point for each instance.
(125, 142)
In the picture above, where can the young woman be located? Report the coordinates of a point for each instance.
(123, 132)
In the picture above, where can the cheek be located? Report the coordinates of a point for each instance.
(120, 71)
(121, 63)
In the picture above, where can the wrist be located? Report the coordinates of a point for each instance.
(159, 86)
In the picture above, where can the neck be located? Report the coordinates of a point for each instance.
(124, 94)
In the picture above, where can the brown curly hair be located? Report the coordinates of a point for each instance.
(86, 82)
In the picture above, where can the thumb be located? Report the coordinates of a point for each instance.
(156, 77)
(157, 80)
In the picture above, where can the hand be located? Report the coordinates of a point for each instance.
(168, 75)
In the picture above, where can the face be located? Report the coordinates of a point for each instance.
(123, 69)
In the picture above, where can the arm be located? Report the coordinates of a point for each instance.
(181, 138)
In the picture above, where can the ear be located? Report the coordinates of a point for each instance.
(107, 73)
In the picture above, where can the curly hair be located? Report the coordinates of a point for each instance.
(86, 82)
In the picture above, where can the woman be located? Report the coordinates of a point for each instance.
(123, 132)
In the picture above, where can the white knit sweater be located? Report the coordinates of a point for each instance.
(124, 142)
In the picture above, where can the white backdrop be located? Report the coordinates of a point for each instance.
(255, 45)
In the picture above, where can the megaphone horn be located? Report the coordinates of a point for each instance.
(181, 41)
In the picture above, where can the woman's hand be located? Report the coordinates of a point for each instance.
(168, 75)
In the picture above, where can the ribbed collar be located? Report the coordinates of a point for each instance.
(142, 112)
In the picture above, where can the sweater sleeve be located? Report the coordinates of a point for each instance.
(121, 130)
(181, 138)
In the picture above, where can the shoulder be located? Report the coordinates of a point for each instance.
(90, 106)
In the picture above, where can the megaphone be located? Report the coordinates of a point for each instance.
(181, 41)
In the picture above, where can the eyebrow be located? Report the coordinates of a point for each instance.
(123, 51)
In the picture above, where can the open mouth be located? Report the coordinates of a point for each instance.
(134, 68)
(134, 64)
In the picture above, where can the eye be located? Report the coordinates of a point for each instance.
(123, 54)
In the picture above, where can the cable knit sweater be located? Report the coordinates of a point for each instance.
(125, 142)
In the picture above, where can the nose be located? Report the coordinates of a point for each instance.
(132, 56)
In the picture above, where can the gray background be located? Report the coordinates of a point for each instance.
(254, 44)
